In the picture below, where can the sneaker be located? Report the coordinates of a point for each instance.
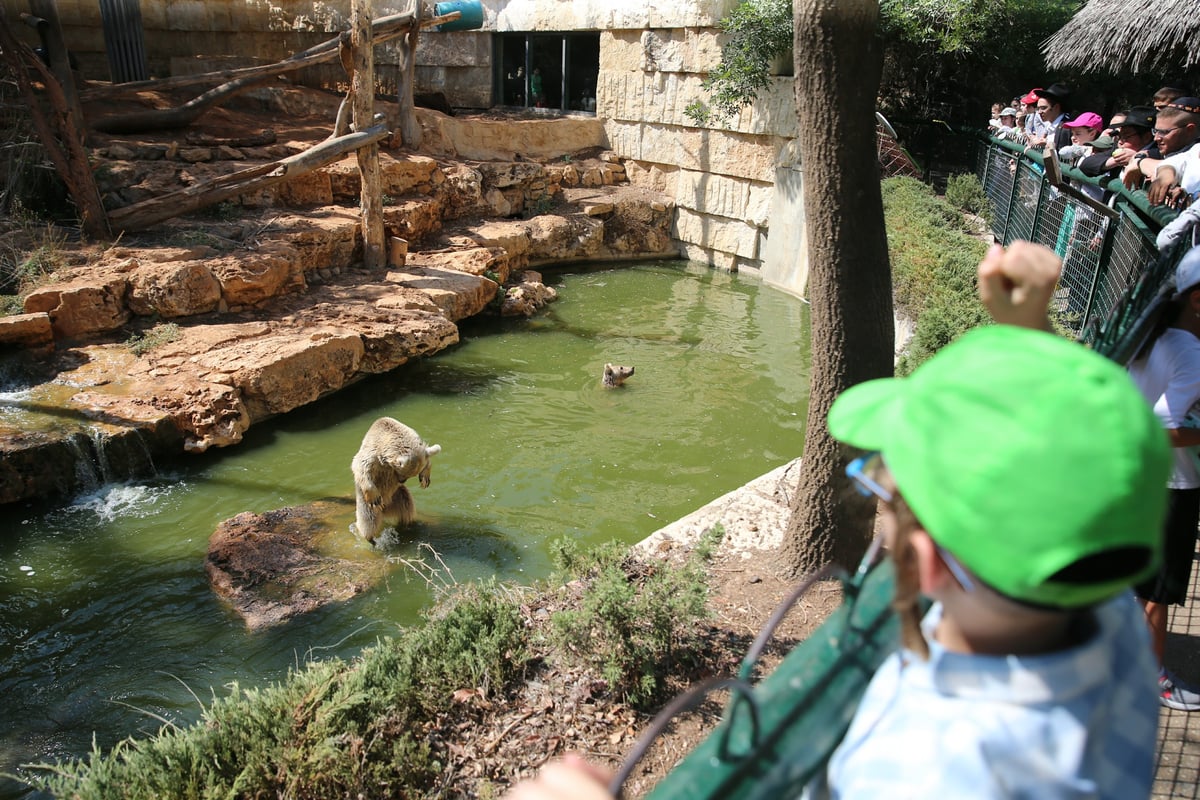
(1172, 693)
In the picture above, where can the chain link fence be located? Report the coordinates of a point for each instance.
(1104, 246)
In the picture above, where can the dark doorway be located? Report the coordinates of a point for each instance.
(547, 70)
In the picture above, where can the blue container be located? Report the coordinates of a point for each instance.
(471, 19)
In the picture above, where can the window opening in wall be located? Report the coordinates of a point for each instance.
(548, 70)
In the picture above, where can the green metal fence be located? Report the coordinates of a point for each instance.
(1104, 248)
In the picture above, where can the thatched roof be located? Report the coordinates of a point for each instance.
(1111, 35)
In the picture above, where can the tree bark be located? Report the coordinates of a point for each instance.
(58, 133)
(838, 62)
(363, 91)
(410, 127)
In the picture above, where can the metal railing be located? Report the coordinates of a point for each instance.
(1104, 247)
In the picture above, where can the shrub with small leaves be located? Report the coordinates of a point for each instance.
(636, 614)
(160, 334)
(966, 192)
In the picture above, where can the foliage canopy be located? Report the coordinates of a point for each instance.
(937, 53)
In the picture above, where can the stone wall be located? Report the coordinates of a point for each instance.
(722, 177)
(652, 59)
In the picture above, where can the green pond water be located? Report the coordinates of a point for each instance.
(107, 620)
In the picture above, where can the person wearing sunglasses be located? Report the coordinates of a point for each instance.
(1020, 485)
(1175, 178)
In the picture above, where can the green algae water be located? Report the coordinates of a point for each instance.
(108, 624)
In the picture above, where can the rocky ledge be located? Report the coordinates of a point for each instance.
(180, 340)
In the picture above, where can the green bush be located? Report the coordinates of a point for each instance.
(381, 725)
(24, 267)
(160, 334)
(966, 192)
(331, 729)
(635, 616)
(934, 258)
(757, 31)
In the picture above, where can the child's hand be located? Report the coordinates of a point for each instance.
(572, 778)
(1016, 285)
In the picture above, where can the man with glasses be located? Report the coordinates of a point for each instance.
(1052, 108)
(1020, 479)
(1175, 178)
(1034, 125)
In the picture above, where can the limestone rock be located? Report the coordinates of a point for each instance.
(251, 278)
(458, 294)
(271, 567)
(82, 308)
(176, 289)
(527, 297)
(558, 238)
(31, 331)
(277, 373)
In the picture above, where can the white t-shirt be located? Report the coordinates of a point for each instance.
(1187, 168)
(1169, 379)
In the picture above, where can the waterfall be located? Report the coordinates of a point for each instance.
(97, 458)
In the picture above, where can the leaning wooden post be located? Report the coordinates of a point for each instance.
(363, 90)
(410, 127)
(57, 131)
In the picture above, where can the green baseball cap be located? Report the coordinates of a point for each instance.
(1033, 460)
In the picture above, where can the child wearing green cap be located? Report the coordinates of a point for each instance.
(1020, 479)
(1003, 502)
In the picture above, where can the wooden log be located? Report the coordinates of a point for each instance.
(150, 212)
(363, 92)
(58, 135)
(180, 116)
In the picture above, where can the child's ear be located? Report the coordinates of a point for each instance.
(932, 571)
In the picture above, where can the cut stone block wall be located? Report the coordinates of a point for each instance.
(721, 176)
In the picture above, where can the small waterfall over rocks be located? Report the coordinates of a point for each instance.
(56, 453)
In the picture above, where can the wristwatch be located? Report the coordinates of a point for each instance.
(1138, 156)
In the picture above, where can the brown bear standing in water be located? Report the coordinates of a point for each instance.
(615, 375)
(391, 453)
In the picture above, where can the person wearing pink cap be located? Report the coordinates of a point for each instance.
(1084, 130)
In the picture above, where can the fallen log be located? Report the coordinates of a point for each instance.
(139, 216)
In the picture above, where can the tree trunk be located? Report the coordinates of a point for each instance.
(58, 133)
(837, 65)
(363, 91)
(410, 127)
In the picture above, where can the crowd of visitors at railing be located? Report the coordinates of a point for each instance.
(1154, 147)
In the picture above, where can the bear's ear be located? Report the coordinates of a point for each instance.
(608, 369)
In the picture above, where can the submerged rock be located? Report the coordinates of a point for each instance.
(277, 565)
